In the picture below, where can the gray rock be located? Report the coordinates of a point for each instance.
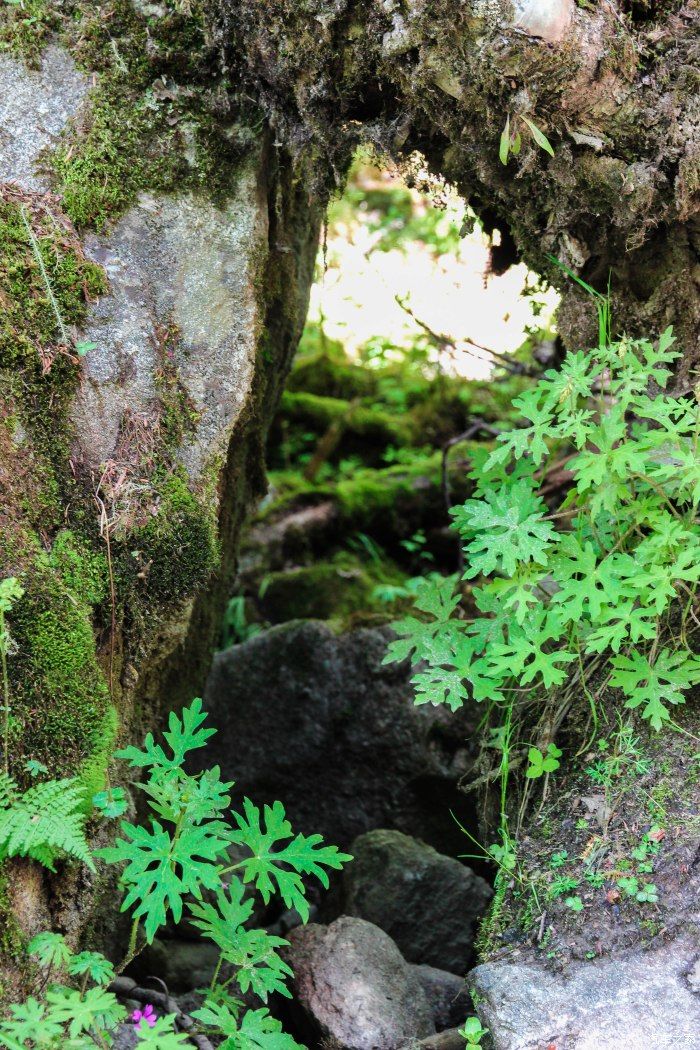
(35, 106)
(175, 261)
(355, 987)
(427, 902)
(641, 1002)
(447, 994)
(125, 1037)
(315, 720)
(547, 19)
(183, 965)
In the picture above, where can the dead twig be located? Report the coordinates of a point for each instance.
(445, 343)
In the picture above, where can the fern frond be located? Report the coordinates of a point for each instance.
(8, 790)
(44, 821)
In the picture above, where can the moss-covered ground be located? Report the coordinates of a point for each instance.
(356, 506)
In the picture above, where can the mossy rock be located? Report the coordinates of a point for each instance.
(151, 124)
(170, 556)
(372, 424)
(55, 671)
(336, 589)
(332, 375)
(330, 590)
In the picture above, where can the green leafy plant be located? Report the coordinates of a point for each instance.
(511, 138)
(167, 866)
(594, 596)
(473, 1032)
(605, 580)
(539, 764)
(574, 903)
(43, 822)
(561, 885)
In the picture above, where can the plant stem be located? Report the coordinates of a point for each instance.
(36, 250)
(6, 697)
(217, 971)
(131, 951)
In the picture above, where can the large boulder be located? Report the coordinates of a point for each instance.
(314, 719)
(642, 1001)
(355, 987)
(426, 902)
(138, 374)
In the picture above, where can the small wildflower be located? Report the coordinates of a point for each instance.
(146, 1015)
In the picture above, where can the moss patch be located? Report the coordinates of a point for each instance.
(153, 123)
(329, 590)
(177, 549)
(29, 322)
(59, 695)
(24, 28)
(93, 771)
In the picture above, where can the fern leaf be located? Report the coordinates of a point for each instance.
(44, 821)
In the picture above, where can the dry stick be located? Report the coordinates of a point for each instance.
(444, 342)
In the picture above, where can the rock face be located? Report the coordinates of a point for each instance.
(315, 720)
(36, 105)
(462, 84)
(185, 263)
(355, 987)
(447, 994)
(133, 415)
(426, 902)
(638, 1002)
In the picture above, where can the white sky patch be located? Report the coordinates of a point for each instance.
(357, 295)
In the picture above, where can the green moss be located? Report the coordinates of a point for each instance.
(373, 424)
(327, 590)
(179, 545)
(24, 28)
(28, 322)
(58, 691)
(82, 569)
(328, 372)
(12, 941)
(92, 774)
(369, 494)
(150, 125)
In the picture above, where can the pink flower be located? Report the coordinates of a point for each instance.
(147, 1015)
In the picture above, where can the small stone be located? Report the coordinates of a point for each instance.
(355, 987)
(427, 902)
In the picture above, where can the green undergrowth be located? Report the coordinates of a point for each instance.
(360, 443)
(607, 853)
